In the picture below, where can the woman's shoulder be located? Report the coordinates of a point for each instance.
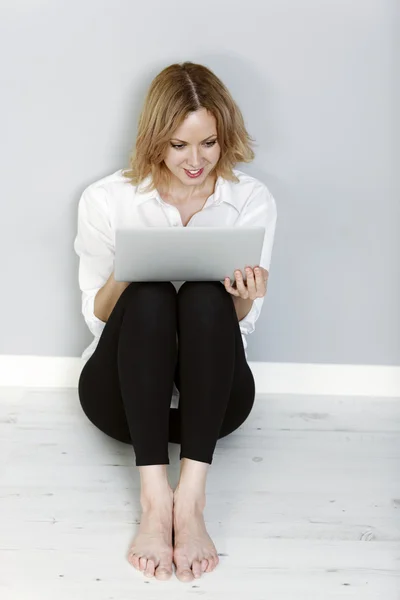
(102, 193)
(248, 181)
(109, 182)
(247, 187)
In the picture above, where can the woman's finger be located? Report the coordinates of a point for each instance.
(261, 280)
(229, 288)
(243, 292)
(252, 284)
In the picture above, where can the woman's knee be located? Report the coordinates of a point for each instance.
(205, 294)
(149, 287)
(205, 286)
(148, 293)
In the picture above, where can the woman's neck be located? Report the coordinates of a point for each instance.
(188, 194)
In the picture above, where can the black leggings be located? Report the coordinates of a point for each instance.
(125, 387)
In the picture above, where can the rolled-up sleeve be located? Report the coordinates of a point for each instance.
(94, 244)
(261, 211)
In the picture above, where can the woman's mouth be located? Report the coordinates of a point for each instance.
(194, 174)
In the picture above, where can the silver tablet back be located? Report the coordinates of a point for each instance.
(185, 253)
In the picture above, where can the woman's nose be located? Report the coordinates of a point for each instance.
(194, 159)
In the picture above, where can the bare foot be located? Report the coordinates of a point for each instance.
(194, 551)
(151, 551)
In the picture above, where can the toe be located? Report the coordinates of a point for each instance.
(162, 573)
(184, 575)
(204, 564)
(211, 564)
(183, 570)
(164, 569)
(134, 560)
(149, 571)
(142, 563)
(196, 568)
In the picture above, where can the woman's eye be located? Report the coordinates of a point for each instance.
(180, 146)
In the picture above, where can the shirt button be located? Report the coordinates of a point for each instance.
(176, 224)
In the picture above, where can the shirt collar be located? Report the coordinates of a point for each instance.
(221, 192)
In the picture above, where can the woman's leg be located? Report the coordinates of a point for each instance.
(125, 390)
(242, 392)
(99, 383)
(126, 385)
(216, 396)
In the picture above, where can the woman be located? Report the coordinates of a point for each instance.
(151, 337)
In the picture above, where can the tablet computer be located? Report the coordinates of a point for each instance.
(186, 253)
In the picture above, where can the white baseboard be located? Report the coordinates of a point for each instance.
(270, 378)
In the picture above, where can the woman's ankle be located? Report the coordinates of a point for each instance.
(155, 488)
(156, 499)
(189, 499)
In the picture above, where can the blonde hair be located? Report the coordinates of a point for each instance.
(174, 93)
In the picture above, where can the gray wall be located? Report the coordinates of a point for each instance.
(317, 83)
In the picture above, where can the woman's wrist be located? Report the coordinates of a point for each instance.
(120, 285)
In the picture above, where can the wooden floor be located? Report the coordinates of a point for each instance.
(303, 503)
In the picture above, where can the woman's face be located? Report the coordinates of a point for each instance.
(192, 146)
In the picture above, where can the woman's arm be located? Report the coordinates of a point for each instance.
(243, 305)
(107, 297)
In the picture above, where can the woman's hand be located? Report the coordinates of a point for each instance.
(256, 284)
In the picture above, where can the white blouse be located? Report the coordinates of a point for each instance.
(113, 201)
